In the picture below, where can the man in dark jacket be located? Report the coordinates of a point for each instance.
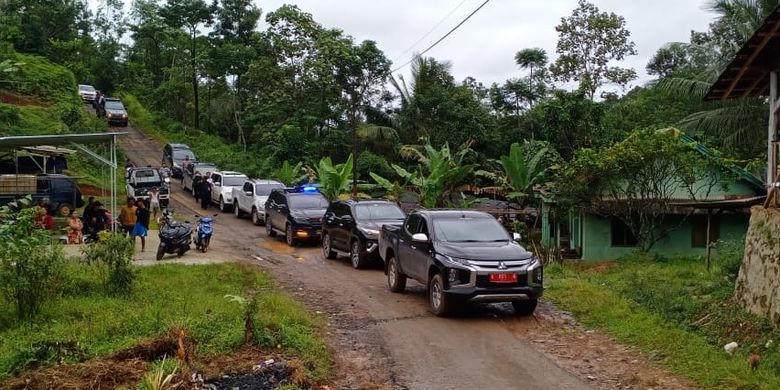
(203, 190)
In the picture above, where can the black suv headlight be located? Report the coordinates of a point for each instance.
(457, 276)
(536, 272)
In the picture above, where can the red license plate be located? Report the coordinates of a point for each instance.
(503, 278)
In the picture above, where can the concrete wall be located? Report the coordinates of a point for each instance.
(597, 237)
(758, 283)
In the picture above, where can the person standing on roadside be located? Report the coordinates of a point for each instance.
(142, 223)
(127, 216)
(204, 193)
(165, 172)
(88, 212)
(154, 202)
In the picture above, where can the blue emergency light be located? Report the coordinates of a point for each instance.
(310, 189)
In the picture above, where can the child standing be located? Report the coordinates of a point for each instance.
(141, 223)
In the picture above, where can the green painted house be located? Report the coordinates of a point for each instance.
(582, 234)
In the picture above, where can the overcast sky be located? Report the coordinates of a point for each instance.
(485, 45)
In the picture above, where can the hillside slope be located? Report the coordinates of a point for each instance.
(37, 97)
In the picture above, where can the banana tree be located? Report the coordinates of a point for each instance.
(290, 175)
(334, 179)
(438, 173)
(522, 171)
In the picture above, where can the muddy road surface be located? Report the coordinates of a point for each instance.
(385, 340)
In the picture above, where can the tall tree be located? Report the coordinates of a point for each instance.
(528, 59)
(589, 42)
(190, 15)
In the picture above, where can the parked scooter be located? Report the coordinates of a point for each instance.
(175, 237)
(203, 232)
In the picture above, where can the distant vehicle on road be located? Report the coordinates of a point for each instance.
(351, 227)
(191, 171)
(295, 212)
(87, 93)
(462, 256)
(141, 180)
(250, 198)
(60, 193)
(224, 184)
(174, 154)
(114, 112)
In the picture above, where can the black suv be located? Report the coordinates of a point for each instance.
(352, 227)
(296, 213)
(174, 154)
(115, 112)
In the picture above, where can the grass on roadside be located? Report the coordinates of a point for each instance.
(164, 296)
(678, 310)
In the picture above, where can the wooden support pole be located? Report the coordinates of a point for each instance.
(772, 131)
(709, 244)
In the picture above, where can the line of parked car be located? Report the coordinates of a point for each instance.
(461, 256)
(110, 108)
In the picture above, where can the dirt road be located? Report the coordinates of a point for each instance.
(386, 340)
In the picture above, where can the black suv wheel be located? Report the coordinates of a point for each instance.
(288, 236)
(327, 249)
(356, 255)
(525, 308)
(269, 230)
(395, 279)
(437, 299)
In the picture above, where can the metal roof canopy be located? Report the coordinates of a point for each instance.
(755, 72)
(748, 73)
(22, 142)
(17, 142)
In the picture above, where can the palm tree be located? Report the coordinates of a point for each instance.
(739, 122)
(528, 59)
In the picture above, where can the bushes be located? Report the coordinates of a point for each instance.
(30, 264)
(114, 253)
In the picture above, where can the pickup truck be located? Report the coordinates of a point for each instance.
(59, 193)
(462, 257)
(141, 180)
(250, 198)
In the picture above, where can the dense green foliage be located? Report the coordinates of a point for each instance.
(638, 179)
(296, 90)
(30, 264)
(114, 254)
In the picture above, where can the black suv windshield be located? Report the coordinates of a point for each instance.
(308, 201)
(114, 105)
(179, 154)
(469, 230)
(265, 189)
(377, 211)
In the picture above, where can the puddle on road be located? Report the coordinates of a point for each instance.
(276, 246)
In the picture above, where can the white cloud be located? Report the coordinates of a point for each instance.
(484, 46)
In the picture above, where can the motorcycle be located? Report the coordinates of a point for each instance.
(175, 237)
(203, 232)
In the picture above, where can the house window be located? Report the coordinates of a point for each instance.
(622, 234)
(699, 231)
